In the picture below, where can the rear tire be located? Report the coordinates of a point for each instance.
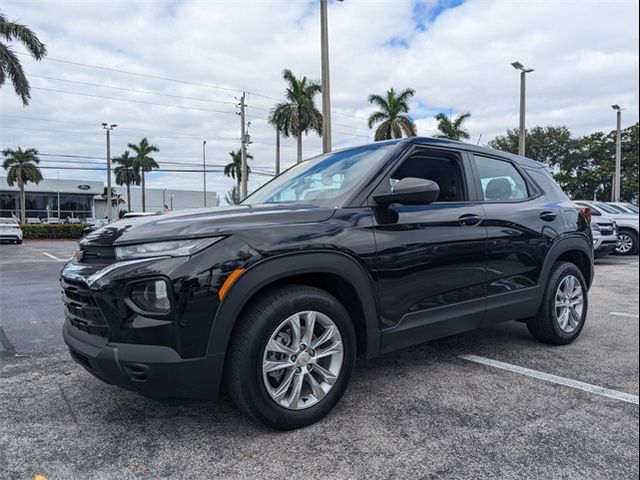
(564, 306)
(267, 321)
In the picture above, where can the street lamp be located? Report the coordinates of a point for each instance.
(204, 170)
(326, 94)
(521, 133)
(108, 128)
(617, 179)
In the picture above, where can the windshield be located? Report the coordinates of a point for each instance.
(633, 208)
(606, 208)
(323, 180)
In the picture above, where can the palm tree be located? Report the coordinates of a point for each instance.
(143, 162)
(10, 66)
(298, 114)
(233, 196)
(452, 129)
(22, 167)
(233, 169)
(391, 115)
(126, 174)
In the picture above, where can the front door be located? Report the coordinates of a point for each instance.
(431, 259)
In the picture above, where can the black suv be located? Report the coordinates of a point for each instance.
(354, 253)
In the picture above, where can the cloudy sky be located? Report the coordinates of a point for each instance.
(193, 58)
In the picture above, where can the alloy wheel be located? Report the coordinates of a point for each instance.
(625, 243)
(302, 360)
(569, 304)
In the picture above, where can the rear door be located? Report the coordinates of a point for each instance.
(431, 259)
(521, 225)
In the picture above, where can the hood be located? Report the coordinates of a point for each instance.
(204, 222)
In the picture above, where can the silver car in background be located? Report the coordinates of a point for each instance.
(628, 230)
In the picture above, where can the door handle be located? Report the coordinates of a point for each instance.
(470, 220)
(548, 216)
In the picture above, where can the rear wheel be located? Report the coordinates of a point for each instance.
(627, 243)
(291, 357)
(563, 311)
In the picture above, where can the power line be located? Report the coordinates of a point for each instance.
(164, 170)
(182, 107)
(123, 89)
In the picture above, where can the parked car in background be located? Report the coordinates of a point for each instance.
(10, 230)
(628, 229)
(73, 220)
(605, 235)
(141, 214)
(625, 207)
(52, 221)
(361, 251)
(33, 221)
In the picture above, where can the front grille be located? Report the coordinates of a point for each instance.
(81, 308)
(607, 229)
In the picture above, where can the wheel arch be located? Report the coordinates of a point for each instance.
(335, 272)
(576, 250)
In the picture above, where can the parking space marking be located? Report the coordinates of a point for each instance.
(547, 377)
(53, 257)
(622, 314)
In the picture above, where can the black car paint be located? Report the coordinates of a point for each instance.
(409, 273)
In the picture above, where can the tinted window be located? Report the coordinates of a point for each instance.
(546, 182)
(443, 169)
(500, 180)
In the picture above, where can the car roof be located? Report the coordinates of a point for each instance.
(469, 147)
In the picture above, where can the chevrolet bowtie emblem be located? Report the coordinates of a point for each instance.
(79, 255)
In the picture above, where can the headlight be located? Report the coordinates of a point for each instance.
(595, 227)
(172, 248)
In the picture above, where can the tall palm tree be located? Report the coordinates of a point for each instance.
(298, 114)
(22, 167)
(391, 115)
(143, 162)
(233, 169)
(10, 66)
(452, 130)
(126, 174)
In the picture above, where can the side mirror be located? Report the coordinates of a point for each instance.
(411, 191)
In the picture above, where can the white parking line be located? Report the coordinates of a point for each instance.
(53, 257)
(547, 377)
(622, 314)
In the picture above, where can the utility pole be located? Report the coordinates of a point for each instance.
(277, 152)
(108, 128)
(243, 147)
(522, 129)
(617, 182)
(204, 170)
(326, 93)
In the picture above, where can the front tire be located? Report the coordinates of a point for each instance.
(291, 357)
(563, 311)
(627, 243)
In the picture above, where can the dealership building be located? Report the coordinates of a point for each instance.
(84, 199)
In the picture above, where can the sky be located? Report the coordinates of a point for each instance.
(193, 59)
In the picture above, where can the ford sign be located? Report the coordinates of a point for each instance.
(84, 187)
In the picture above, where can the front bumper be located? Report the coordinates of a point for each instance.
(152, 370)
(604, 245)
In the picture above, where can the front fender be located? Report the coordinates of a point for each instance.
(270, 270)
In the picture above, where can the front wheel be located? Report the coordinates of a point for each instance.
(627, 243)
(563, 311)
(291, 357)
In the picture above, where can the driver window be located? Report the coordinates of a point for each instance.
(443, 169)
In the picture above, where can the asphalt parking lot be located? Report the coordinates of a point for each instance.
(422, 412)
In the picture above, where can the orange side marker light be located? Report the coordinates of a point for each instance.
(226, 285)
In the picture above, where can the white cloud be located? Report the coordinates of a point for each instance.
(585, 55)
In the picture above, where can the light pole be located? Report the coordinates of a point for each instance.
(204, 170)
(326, 91)
(522, 128)
(108, 128)
(617, 178)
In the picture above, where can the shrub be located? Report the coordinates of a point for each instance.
(53, 231)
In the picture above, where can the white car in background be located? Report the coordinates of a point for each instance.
(628, 229)
(10, 230)
(625, 207)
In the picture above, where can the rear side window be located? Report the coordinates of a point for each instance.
(500, 180)
(547, 183)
